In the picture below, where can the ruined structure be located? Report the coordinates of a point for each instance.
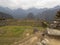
(55, 26)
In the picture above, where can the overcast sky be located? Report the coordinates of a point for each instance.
(25, 4)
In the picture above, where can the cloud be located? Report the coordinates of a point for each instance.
(29, 3)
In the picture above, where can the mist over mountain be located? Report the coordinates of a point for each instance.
(43, 13)
(49, 14)
(21, 13)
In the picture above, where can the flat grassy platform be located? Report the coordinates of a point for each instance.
(10, 34)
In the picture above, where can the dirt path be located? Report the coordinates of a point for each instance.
(29, 40)
(53, 41)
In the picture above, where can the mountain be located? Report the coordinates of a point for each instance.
(5, 10)
(35, 10)
(43, 13)
(48, 14)
(5, 16)
(21, 13)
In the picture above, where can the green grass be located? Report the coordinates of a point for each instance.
(10, 34)
(13, 31)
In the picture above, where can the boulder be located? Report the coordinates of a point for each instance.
(54, 32)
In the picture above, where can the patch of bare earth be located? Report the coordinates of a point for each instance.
(53, 41)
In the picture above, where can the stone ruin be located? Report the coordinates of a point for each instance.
(55, 26)
(56, 22)
(52, 32)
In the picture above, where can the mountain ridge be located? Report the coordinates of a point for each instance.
(42, 13)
